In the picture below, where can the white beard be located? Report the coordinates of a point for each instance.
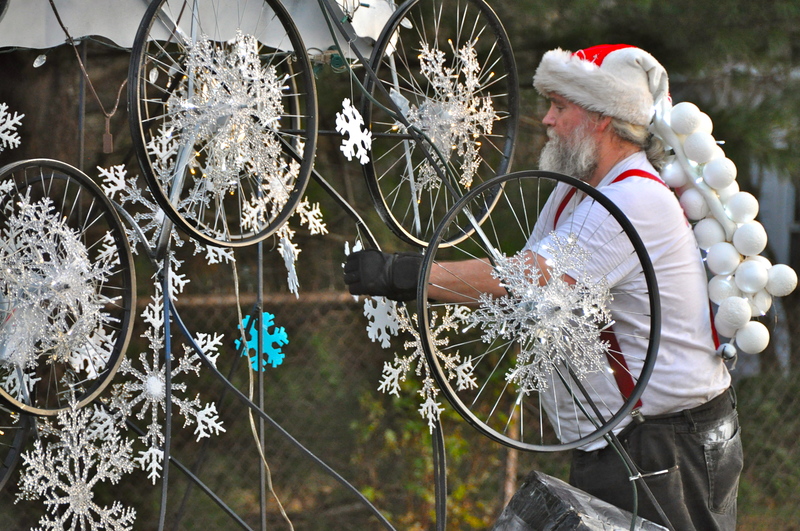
(575, 156)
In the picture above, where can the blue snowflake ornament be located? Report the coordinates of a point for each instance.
(271, 342)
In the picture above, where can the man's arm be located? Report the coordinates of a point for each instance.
(465, 281)
(395, 276)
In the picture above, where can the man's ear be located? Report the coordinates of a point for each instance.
(602, 122)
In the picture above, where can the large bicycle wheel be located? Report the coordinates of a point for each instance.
(223, 115)
(67, 290)
(448, 67)
(538, 366)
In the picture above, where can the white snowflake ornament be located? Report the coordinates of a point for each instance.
(144, 393)
(9, 138)
(357, 141)
(383, 320)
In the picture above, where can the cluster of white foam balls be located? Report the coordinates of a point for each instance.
(743, 282)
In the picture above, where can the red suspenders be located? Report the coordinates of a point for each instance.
(616, 359)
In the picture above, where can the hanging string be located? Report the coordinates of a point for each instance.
(108, 139)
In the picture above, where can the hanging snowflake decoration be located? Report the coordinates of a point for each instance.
(554, 323)
(9, 138)
(50, 307)
(357, 141)
(271, 342)
(311, 217)
(289, 252)
(383, 320)
(66, 471)
(145, 391)
(454, 116)
(456, 368)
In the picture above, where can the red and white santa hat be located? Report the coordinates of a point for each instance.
(616, 80)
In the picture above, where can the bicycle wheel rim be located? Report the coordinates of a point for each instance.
(208, 89)
(468, 118)
(67, 308)
(491, 407)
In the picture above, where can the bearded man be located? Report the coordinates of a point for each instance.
(684, 437)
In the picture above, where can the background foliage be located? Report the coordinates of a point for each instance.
(736, 59)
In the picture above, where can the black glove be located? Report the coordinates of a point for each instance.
(371, 272)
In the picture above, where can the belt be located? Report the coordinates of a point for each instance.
(721, 401)
(712, 410)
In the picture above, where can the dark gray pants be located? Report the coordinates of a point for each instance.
(694, 456)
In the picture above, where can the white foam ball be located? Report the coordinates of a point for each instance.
(752, 338)
(751, 276)
(719, 173)
(700, 147)
(706, 124)
(735, 311)
(718, 153)
(742, 207)
(781, 281)
(673, 175)
(720, 287)
(750, 238)
(694, 204)
(722, 258)
(685, 118)
(723, 328)
(760, 302)
(729, 191)
(758, 258)
(708, 231)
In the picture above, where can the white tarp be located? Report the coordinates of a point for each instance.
(32, 23)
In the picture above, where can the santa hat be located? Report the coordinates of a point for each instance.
(616, 80)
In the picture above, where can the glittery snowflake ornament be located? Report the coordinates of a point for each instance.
(65, 469)
(457, 368)
(453, 116)
(144, 393)
(51, 307)
(554, 322)
(221, 126)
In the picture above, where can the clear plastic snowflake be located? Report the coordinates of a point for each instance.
(50, 307)
(66, 470)
(311, 217)
(555, 323)
(145, 390)
(358, 140)
(272, 339)
(454, 116)
(223, 109)
(9, 138)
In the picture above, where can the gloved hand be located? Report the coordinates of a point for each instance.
(371, 272)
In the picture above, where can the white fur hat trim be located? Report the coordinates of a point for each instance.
(625, 83)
